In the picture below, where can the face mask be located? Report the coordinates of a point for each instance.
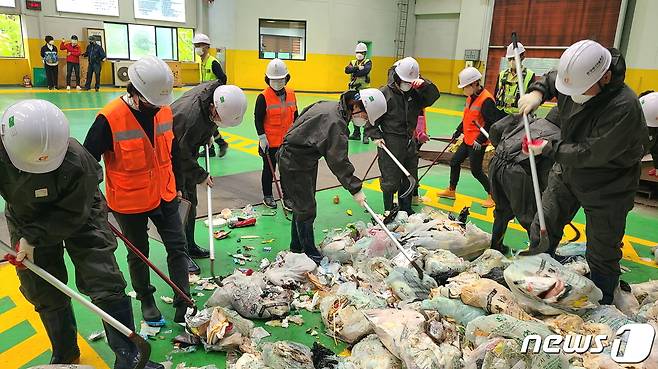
(278, 84)
(359, 121)
(51, 42)
(74, 42)
(581, 99)
(198, 51)
(405, 86)
(360, 56)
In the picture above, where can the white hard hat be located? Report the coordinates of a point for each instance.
(510, 50)
(35, 134)
(201, 38)
(407, 69)
(468, 75)
(581, 66)
(153, 79)
(230, 104)
(650, 108)
(361, 48)
(276, 69)
(374, 102)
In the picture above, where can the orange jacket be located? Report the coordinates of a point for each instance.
(278, 117)
(472, 112)
(138, 175)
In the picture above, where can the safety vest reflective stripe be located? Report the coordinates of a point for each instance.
(472, 112)
(364, 81)
(279, 115)
(507, 95)
(139, 173)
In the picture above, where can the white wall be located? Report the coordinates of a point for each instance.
(49, 21)
(436, 36)
(642, 50)
(333, 26)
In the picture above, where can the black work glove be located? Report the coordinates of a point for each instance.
(456, 135)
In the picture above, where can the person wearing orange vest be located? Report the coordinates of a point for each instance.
(480, 110)
(134, 135)
(274, 114)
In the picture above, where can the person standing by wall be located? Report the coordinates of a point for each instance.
(210, 70)
(507, 88)
(50, 61)
(274, 114)
(359, 71)
(96, 55)
(72, 61)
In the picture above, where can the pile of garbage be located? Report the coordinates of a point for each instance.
(467, 307)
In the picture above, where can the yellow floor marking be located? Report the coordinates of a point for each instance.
(452, 113)
(461, 201)
(37, 344)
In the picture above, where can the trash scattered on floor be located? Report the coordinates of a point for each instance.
(96, 336)
(240, 222)
(349, 212)
(147, 331)
(471, 308)
(132, 294)
(167, 299)
(220, 235)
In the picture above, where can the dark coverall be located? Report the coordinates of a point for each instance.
(319, 131)
(65, 209)
(509, 173)
(397, 127)
(597, 168)
(165, 217)
(192, 129)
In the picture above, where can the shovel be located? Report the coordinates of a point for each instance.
(393, 239)
(412, 180)
(142, 346)
(277, 185)
(544, 244)
(157, 271)
(211, 239)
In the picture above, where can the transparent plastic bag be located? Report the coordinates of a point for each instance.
(289, 268)
(493, 298)
(370, 353)
(407, 285)
(453, 308)
(287, 355)
(442, 264)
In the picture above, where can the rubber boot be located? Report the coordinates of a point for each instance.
(488, 203)
(62, 332)
(448, 193)
(307, 240)
(607, 284)
(405, 205)
(388, 201)
(223, 147)
(125, 351)
(150, 312)
(295, 245)
(192, 266)
(179, 316)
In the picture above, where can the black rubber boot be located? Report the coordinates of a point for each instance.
(607, 284)
(125, 351)
(388, 201)
(192, 266)
(196, 252)
(405, 205)
(62, 332)
(269, 202)
(150, 312)
(179, 316)
(223, 147)
(307, 240)
(295, 245)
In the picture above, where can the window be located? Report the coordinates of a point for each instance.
(164, 43)
(116, 36)
(11, 36)
(283, 39)
(185, 45)
(142, 41)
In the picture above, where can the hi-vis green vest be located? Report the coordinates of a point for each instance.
(507, 96)
(206, 69)
(359, 83)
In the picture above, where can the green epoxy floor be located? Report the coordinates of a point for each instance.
(81, 107)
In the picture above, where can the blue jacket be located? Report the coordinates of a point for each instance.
(94, 53)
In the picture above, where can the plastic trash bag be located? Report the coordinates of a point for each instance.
(493, 298)
(644, 290)
(370, 353)
(453, 308)
(624, 300)
(498, 353)
(219, 329)
(287, 355)
(648, 312)
(442, 264)
(251, 296)
(407, 285)
(250, 361)
(488, 260)
(391, 325)
(482, 329)
(289, 268)
(542, 284)
(336, 249)
(453, 288)
(342, 312)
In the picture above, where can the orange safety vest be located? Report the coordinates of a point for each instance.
(137, 174)
(278, 116)
(472, 112)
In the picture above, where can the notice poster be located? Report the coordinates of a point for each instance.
(98, 7)
(164, 10)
